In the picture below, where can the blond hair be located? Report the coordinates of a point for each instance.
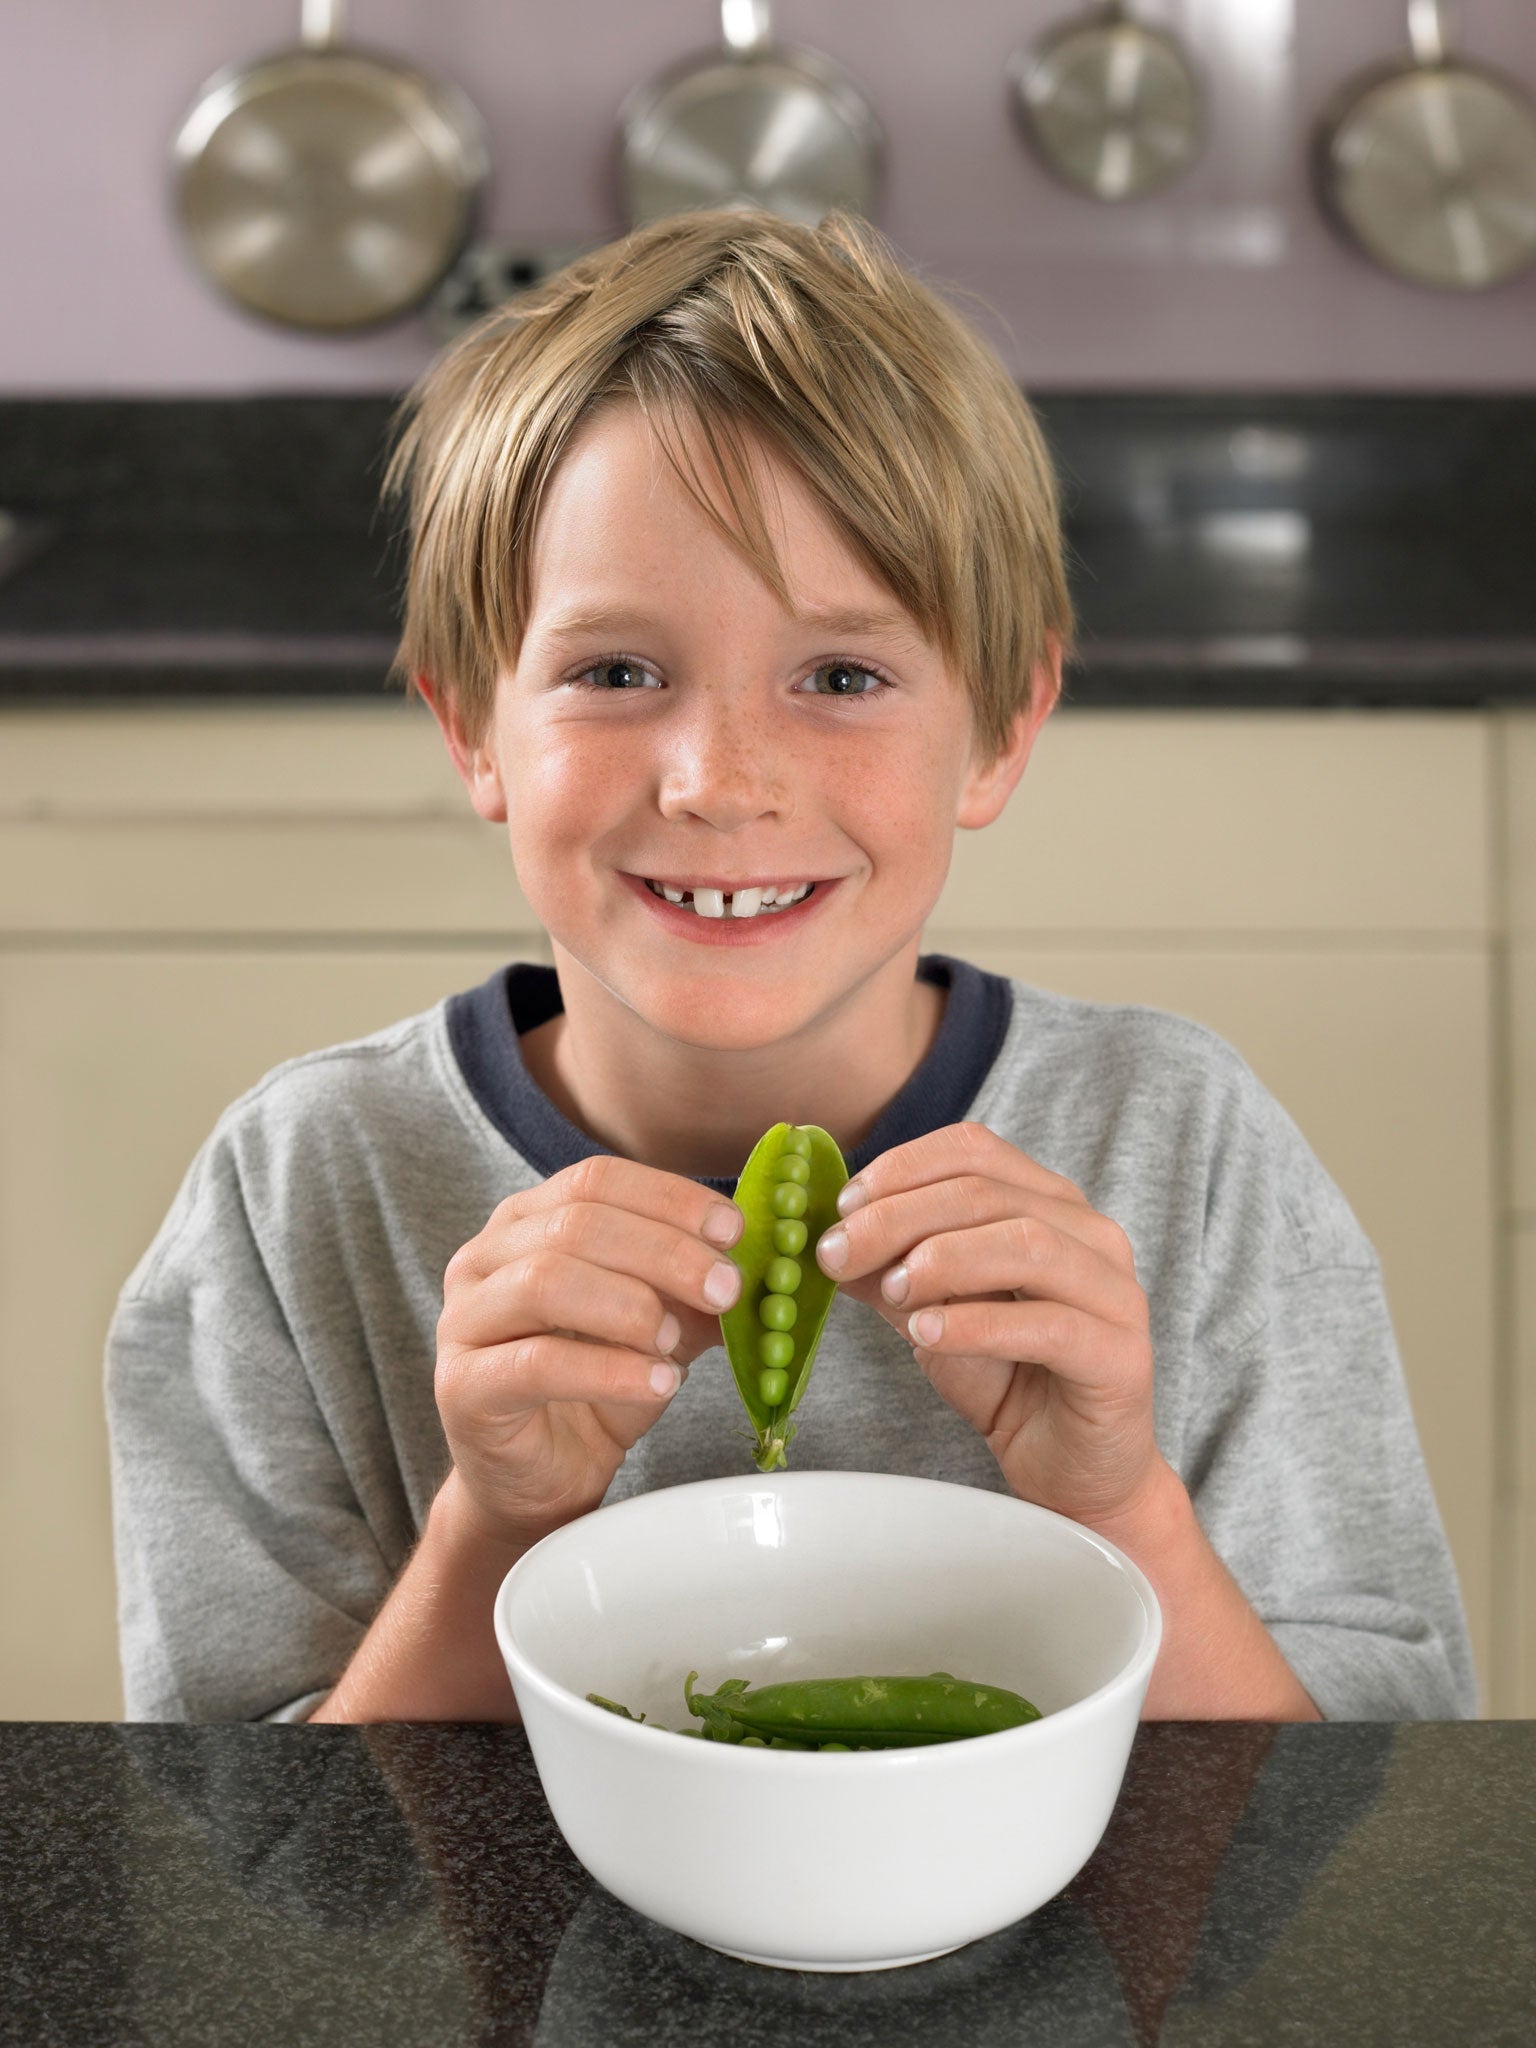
(900, 418)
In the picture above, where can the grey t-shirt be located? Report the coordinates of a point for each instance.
(275, 1443)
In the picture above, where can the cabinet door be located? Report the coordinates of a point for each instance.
(1518, 1446)
(1382, 1059)
(114, 1065)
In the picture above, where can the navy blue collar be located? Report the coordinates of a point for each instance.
(484, 1025)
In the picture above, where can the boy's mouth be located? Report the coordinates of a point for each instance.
(758, 900)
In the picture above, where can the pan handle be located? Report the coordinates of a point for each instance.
(1427, 32)
(745, 26)
(321, 23)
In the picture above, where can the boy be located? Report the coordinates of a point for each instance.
(736, 588)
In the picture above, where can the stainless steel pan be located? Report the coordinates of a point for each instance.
(327, 187)
(1113, 108)
(754, 124)
(1429, 167)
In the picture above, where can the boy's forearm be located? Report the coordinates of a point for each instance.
(431, 1653)
(1218, 1662)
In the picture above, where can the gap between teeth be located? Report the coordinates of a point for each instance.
(713, 903)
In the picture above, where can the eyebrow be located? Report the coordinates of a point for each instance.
(618, 619)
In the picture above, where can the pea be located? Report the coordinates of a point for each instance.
(787, 1192)
(773, 1386)
(825, 1746)
(777, 1311)
(782, 1276)
(776, 1350)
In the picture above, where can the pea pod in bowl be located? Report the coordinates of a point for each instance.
(788, 1193)
(863, 1712)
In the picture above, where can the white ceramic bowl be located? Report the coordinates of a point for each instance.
(816, 1861)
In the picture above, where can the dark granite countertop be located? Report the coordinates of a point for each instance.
(1225, 549)
(1349, 1883)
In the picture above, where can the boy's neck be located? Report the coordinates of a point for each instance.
(691, 1113)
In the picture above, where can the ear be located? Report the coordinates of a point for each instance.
(477, 763)
(988, 788)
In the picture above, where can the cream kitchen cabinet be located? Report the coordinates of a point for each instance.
(189, 895)
(1516, 1471)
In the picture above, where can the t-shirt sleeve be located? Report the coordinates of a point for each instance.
(247, 1572)
(1302, 1458)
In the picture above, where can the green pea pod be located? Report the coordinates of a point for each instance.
(890, 1712)
(772, 1332)
(613, 1707)
(850, 1738)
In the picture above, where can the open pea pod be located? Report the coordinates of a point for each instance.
(788, 1193)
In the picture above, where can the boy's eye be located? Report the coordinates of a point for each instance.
(842, 676)
(618, 675)
(614, 672)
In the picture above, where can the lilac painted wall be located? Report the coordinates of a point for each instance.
(1229, 280)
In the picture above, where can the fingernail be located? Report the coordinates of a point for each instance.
(724, 1226)
(671, 1329)
(665, 1379)
(832, 1251)
(893, 1286)
(927, 1326)
(722, 1285)
(850, 1197)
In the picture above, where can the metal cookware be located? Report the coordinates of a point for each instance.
(754, 124)
(1430, 167)
(1112, 107)
(328, 187)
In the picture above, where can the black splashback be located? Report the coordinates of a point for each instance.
(1225, 548)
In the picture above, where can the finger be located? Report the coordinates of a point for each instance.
(886, 1231)
(503, 1382)
(1080, 1349)
(549, 1289)
(953, 1151)
(610, 1182)
(613, 1244)
(1017, 1255)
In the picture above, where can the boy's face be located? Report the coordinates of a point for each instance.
(706, 740)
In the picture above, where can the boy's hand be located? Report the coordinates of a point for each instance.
(554, 1318)
(1046, 1347)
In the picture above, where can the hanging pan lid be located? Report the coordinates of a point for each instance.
(754, 124)
(324, 187)
(1430, 167)
(1112, 107)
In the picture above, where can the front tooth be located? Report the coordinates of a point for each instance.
(746, 902)
(709, 902)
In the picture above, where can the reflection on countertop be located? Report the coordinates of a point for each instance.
(1225, 549)
(1339, 1883)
